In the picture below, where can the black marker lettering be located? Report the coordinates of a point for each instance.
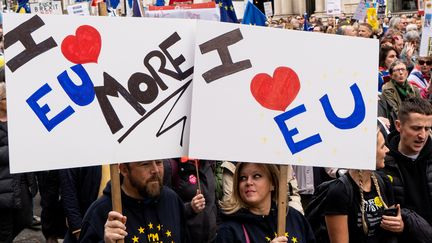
(22, 33)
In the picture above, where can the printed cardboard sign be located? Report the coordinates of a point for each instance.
(46, 7)
(287, 101)
(92, 91)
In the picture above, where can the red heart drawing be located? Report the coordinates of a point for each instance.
(83, 47)
(278, 92)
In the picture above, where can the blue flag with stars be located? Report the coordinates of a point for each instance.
(227, 11)
(23, 6)
(253, 15)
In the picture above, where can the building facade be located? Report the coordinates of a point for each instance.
(298, 7)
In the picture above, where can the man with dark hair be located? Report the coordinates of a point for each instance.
(409, 167)
(151, 211)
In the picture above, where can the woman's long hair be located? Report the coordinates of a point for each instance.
(362, 201)
(234, 203)
(378, 189)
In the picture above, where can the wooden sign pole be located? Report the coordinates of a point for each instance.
(102, 7)
(116, 191)
(282, 199)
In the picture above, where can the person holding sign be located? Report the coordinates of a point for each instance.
(250, 215)
(372, 196)
(151, 211)
(194, 181)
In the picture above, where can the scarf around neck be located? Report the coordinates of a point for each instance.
(403, 89)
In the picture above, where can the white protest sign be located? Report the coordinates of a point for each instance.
(81, 9)
(333, 7)
(46, 7)
(292, 102)
(90, 91)
(268, 10)
(426, 40)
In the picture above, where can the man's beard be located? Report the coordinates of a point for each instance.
(151, 189)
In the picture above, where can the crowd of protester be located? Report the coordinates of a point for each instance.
(185, 200)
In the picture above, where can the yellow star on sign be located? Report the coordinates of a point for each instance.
(294, 240)
(286, 234)
(226, 7)
(141, 230)
(268, 239)
(150, 226)
(231, 8)
(135, 239)
(220, 5)
(159, 227)
(168, 233)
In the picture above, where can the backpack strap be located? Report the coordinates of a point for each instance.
(245, 234)
(348, 187)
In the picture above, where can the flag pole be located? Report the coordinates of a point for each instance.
(282, 199)
(115, 191)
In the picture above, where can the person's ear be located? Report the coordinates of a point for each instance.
(123, 169)
(398, 125)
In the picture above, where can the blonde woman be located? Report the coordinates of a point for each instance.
(250, 215)
(366, 216)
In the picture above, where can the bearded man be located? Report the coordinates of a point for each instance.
(151, 211)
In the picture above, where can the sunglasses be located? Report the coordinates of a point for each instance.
(421, 62)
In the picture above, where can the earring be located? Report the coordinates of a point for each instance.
(272, 188)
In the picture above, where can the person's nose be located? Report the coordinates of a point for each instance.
(249, 180)
(154, 168)
(423, 133)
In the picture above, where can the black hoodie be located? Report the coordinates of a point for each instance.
(263, 228)
(152, 220)
(410, 177)
(414, 211)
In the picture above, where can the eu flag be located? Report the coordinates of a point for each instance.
(253, 15)
(227, 11)
(160, 3)
(23, 6)
(113, 3)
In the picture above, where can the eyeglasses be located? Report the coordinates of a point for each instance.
(399, 69)
(422, 62)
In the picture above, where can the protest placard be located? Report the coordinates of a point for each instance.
(81, 9)
(205, 11)
(96, 90)
(75, 99)
(426, 39)
(46, 7)
(289, 100)
(360, 13)
(333, 7)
